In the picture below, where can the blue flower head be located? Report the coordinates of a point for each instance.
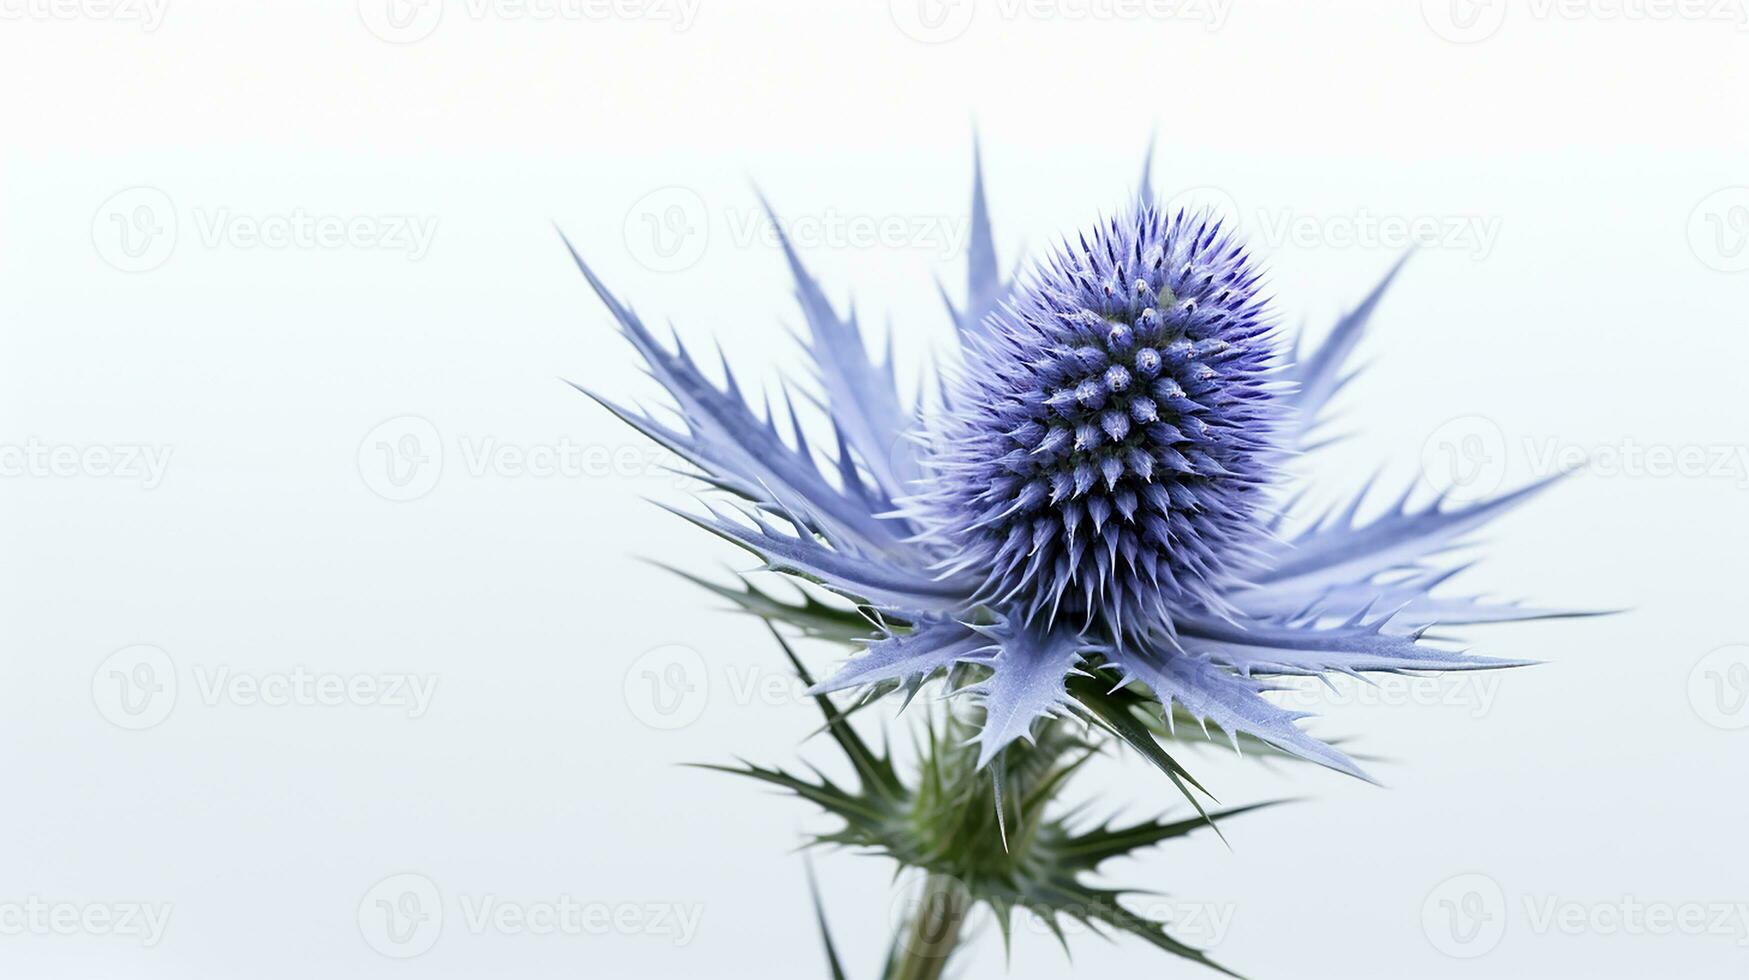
(1098, 495)
(1112, 434)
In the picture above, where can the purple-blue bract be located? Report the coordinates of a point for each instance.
(1098, 489)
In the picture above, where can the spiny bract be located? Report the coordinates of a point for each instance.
(1112, 431)
(1094, 501)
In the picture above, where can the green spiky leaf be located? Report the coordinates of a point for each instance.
(832, 962)
(999, 833)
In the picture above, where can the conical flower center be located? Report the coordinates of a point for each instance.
(1111, 434)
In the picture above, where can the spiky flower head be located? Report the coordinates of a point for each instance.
(1093, 515)
(1112, 430)
(1087, 528)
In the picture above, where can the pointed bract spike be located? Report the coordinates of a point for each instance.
(1145, 188)
(744, 454)
(1210, 693)
(1026, 683)
(1319, 372)
(933, 646)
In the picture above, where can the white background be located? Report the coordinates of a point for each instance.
(1585, 296)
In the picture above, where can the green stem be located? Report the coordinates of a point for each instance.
(934, 931)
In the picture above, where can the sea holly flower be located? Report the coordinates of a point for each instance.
(1095, 504)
